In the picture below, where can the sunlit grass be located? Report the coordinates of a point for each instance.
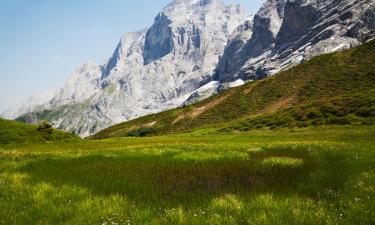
(324, 176)
(282, 162)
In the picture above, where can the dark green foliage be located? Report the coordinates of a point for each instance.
(140, 132)
(343, 110)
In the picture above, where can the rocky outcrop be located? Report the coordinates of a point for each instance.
(159, 40)
(289, 32)
(298, 19)
(235, 56)
(252, 42)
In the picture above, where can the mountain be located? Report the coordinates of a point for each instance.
(331, 89)
(197, 48)
(150, 71)
(288, 32)
(12, 132)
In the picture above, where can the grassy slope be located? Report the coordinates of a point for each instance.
(12, 132)
(336, 88)
(310, 176)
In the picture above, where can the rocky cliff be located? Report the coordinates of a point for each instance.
(288, 32)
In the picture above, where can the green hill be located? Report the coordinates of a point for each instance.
(336, 88)
(13, 132)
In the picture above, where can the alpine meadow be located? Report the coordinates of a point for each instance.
(274, 127)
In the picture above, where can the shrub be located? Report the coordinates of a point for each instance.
(339, 121)
(140, 132)
(314, 114)
(366, 112)
(45, 128)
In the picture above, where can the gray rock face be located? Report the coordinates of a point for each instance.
(297, 21)
(159, 40)
(235, 56)
(128, 49)
(267, 23)
(286, 33)
(254, 41)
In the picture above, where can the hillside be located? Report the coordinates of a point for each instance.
(336, 88)
(12, 132)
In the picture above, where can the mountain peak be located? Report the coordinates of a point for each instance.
(87, 66)
(181, 27)
(191, 3)
(180, 11)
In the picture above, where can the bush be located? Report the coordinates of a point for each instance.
(314, 114)
(45, 128)
(338, 121)
(366, 112)
(141, 132)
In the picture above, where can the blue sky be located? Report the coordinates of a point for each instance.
(43, 41)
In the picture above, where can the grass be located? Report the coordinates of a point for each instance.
(16, 132)
(353, 109)
(324, 175)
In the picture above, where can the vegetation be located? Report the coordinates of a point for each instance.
(12, 132)
(354, 109)
(140, 132)
(300, 176)
(333, 80)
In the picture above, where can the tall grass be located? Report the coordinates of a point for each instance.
(323, 176)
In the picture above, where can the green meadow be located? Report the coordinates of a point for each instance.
(321, 175)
